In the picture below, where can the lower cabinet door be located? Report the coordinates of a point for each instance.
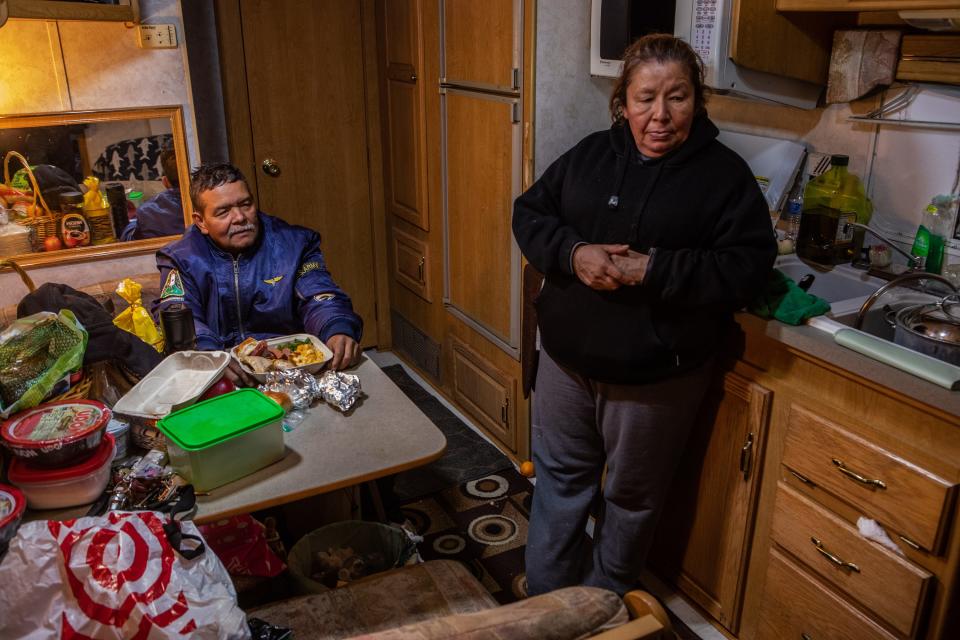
(796, 605)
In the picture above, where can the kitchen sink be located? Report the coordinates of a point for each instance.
(843, 286)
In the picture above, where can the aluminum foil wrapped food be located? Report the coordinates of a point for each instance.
(340, 389)
(300, 386)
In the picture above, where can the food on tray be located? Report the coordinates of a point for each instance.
(260, 357)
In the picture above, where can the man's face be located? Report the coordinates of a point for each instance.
(229, 216)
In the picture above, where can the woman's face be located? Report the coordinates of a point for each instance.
(659, 107)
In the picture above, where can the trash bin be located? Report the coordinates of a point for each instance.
(375, 547)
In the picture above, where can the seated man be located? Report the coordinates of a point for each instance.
(162, 215)
(244, 273)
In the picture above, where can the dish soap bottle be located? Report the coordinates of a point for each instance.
(831, 201)
(928, 246)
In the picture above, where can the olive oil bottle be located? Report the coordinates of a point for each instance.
(831, 201)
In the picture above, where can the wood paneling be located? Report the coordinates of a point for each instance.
(479, 45)
(719, 475)
(795, 605)
(308, 111)
(795, 46)
(891, 587)
(487, 393)
(863, 5)
(481, 171)
(913, 501)
(411, 266)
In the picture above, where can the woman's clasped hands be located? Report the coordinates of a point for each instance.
(606, 267)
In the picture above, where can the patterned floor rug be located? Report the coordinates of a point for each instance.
(482, 523)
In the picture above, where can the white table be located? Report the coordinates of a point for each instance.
(383, 434)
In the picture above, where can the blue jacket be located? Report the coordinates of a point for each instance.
(279, 286)
(160, 216)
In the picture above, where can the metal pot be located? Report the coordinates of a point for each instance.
(930, 329)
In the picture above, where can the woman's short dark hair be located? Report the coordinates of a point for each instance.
(210, 176)
(660, 48)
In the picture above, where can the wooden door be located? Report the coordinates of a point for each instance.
(702, 542)
(481, 156)
(308, 113)
(405, 126)
(481, 43)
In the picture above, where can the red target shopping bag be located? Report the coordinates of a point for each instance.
(121, 575)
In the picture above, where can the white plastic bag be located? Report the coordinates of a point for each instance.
(113, 576)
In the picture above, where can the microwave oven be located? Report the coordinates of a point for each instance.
(706, 26)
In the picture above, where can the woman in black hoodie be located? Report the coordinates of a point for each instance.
(650, 234)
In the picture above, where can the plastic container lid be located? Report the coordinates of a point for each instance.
(55, 424)
(135, 196)
(22, 472)
(219, 419)
(12, 504)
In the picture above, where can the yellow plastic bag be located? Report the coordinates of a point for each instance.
(135, 319)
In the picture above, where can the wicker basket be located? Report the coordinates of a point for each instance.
(40, 218)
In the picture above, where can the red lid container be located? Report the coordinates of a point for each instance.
(12, 504)
(56, 433)
(26, 472)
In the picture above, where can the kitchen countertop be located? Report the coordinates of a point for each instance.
(821, 345)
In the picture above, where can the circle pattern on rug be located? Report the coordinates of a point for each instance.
(519, 586)
(493, 530)
(420, 520)
(489, 487)
(449, 545)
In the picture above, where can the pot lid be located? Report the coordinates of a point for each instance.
(12, 504)
(55, 423)
(931, 321)
(23, 472)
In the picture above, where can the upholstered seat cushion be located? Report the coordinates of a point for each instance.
(386, 600)
(564, 614)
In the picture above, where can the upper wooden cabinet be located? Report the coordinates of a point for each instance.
(864, 5)
(475, 51)
(401, 51)
(794, 46)
(128, 11)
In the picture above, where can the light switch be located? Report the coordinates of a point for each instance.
(157, 36)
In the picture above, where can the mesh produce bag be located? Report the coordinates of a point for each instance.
(35, 353)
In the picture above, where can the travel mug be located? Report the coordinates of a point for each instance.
(178, 330)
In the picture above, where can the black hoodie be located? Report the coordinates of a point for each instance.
(697, 209)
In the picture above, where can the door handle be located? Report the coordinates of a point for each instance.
(270, 167)
(746, 455)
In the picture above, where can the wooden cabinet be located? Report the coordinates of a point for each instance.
(411, 263)
(487, 393)
(704, 551)
(864, 5)
(482, 43)
(128, 11)
(402, 84)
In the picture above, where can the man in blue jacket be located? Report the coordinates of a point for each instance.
(162, 215)
(244, 273)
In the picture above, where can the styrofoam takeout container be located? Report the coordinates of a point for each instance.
(224, 438)
(175, 383)
(274, 342)
(70, 486)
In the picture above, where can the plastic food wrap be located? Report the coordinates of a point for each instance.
(135, 319)
(35, 353)
(341, 390)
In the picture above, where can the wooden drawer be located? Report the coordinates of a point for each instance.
(900, 494)
(411, 263)
(486, 393)
(891, 587)
(795, 606)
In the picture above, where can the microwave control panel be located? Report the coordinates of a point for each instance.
(705, 31)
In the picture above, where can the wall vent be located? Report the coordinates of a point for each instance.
(416, 345)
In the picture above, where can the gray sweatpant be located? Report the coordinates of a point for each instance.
(638, 431)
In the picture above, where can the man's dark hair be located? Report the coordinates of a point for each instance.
(168, 162)
(210, 176)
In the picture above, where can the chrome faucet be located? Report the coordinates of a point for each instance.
(914, 263)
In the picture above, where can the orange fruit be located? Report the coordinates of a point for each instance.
(526, 469)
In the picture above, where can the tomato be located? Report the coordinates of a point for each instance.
(52, 244)
(220, 387)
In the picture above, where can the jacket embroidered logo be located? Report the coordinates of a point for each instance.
(173, 287)
(323, 296)
(273, 281)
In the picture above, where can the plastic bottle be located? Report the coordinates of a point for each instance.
(831, 201)
(794, 210)
(931, 236)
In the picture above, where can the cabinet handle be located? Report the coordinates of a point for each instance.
(503, 412)
(746, 457)
(420, 264)
(832, 558)
(413, 77)
(853, 475)
(804, 636)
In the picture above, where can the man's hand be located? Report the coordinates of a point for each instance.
(595, 268)
(633, 265)
(240, 378)
(346, 351)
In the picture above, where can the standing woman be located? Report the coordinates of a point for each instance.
(651, 234)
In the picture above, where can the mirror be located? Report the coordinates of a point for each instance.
(44, 221)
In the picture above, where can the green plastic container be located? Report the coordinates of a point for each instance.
(224, 438)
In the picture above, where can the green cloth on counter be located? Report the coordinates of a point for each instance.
(783, 300)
